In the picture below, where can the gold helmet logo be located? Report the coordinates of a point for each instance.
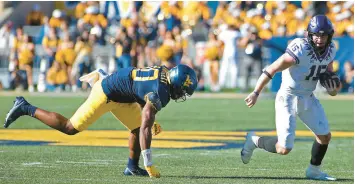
(187, 82)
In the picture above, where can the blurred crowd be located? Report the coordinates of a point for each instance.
(64, 49)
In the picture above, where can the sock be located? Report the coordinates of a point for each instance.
(132, 163)
(318, 152)
(314, 167)
(147, 156)
(255, 140)
(29, 110)
(268, 144)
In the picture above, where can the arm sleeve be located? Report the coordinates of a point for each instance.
(154, 99)
(294, 49)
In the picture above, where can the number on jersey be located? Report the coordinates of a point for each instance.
(145, 74)
(315, 71)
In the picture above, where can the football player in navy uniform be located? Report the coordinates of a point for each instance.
(304, 61)
(133, 96)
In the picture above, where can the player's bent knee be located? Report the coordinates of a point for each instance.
(283, 151)
(135, 131)
(328, 137)
(324, 139)
(70, 130)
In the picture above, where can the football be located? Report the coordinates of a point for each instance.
(326, 76)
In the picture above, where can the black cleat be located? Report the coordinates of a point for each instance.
(16, 111)
(135, 172)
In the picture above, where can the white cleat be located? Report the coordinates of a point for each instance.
(93, 77)
(248, 148)
(314, 173)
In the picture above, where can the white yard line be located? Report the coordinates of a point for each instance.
(31, 163)
(210, 153)
(165, 156)
(87, 163)
(162, 155)
(98, 160)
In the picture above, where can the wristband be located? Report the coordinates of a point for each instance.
(267, 74)
(256, 93)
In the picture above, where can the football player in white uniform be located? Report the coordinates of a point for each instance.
(302, 63)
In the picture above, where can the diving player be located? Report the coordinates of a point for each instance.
(133, 96)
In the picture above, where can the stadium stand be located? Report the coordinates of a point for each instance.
(82, 36)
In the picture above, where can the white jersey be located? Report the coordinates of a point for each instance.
(301, 78)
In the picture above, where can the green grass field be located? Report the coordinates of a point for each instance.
(33, 162)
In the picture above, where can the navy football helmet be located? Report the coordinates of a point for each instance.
(183, 82)
(320, 24)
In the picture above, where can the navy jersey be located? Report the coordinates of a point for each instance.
(129, 85)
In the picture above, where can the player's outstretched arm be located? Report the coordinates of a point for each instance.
(145, 138)
(283, 62)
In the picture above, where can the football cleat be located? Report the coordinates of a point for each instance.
(153, 172)
(16, 111)
(93, 77)
(135, 172)
(314, 173)
(248, 148)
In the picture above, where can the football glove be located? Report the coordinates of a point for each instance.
(156, 129)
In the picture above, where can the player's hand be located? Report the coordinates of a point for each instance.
(152, 171)
(156, 129)
(331, 87)
(251, 99)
